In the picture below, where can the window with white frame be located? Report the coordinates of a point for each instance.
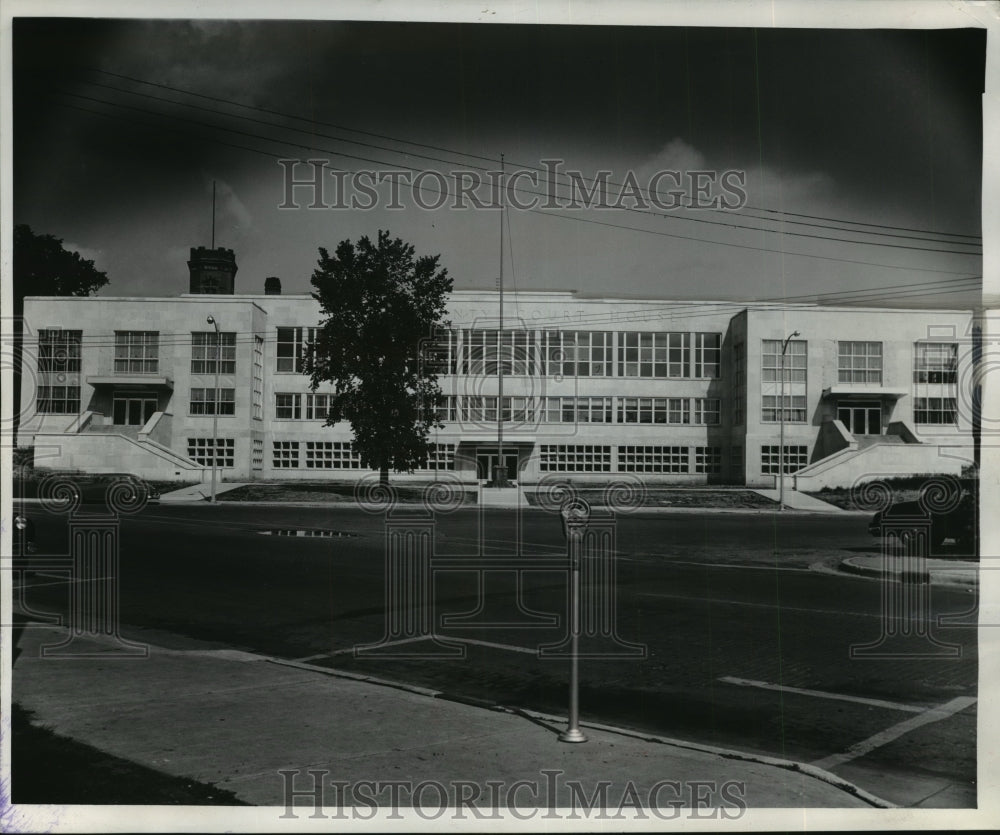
(203, 450)
(859, 362)
(137, 352)
(318, 406)
(796, 457)
(57, 400)
(291, 345)
(440, 457)
(287, 406)
(477, 408)
(210, 350)
(707, 459)
(211, 401)
(707, 355)
(796, 361)
(258, 381)
(441, 352)
(577, 410)
(483, 351)
(934, 410)
(652, 354)
(653, 459)
(285, 454)
(795, 408)
(577, 353)
(654, 410)
(331, 455)
(574, 458)
(935, 362)
(707, 411)
(59, 350)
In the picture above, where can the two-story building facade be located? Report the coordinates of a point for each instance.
(681, 392)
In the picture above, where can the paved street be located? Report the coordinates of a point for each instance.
(747, 638)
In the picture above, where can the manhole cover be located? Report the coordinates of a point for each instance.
(316, 532)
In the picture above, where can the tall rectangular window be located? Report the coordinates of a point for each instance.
(258, 382)
(292, 343)
(859, 362)
(210, 350)
(935, 362)
(441, 352)
(59, 350)
(707, 355)
(58, 400)
(207, 401)
(796, 361)
(577, 353)
(137, 352)
(318, 406)
(287, 406)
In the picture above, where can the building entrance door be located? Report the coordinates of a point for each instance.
(861, 418)
(132, 409)
(487, 461)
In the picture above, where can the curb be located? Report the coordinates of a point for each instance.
(934, 576)
(726, 753)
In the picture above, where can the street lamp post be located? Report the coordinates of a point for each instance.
(215, 406)
(781, 419)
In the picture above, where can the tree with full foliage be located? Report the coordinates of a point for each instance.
(43, 267)
(383, 308)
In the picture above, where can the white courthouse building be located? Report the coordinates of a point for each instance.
(673, 391)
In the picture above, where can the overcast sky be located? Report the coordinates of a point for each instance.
(833, 129)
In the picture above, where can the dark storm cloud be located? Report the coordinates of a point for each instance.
(881, 125)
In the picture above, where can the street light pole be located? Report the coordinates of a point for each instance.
(215, 406)
(781, 419)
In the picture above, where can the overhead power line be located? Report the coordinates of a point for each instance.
(487, 159)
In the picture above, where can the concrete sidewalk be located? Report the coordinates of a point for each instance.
(794, 500)
(237, 720)
(199, 492)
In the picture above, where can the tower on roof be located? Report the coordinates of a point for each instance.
(212, 270)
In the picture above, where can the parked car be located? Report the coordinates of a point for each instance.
(959, 523)
(92, 487)
(23, 535)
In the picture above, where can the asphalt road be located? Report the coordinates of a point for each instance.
(733, 613)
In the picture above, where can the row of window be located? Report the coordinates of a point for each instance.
(655, 354)
(340, 455)
(699, 411)
(597, 458)
(578, 353)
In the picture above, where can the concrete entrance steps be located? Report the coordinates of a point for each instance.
(502, 497)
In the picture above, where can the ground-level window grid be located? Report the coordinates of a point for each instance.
(707, 459)
(575, 458)
(796, 457)
(653, 459)
(200, 450)
(285, 454)
(331, 455)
